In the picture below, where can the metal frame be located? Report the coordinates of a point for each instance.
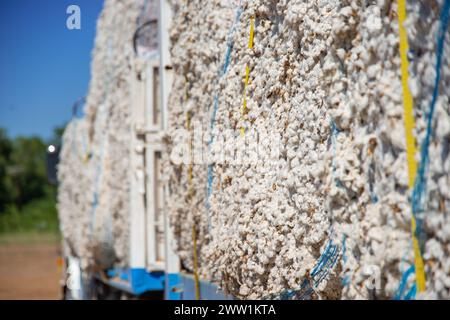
(172, 267)
(153, 126)
(147, 270)
(137, 173)
(155, 201)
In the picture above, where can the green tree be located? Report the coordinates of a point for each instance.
(6, 184)
(27, 200)
(27, 169)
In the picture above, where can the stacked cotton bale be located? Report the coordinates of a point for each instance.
(368, 182)
(94, 197)
(268, 234)
(196, 57)
(74, 201)
(324, 98)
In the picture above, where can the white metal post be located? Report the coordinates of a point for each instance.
(137, 173)
(165, 69)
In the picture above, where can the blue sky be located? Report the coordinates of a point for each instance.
(44, 67)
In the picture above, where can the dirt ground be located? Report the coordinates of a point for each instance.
(29, 271)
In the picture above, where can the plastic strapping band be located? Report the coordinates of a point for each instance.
(252, 31)
(411, 293)
(247, 73)
(196, 279)
(403, 282)
(410, 141)
(346, 278)
(188, 128)
(334, 134)
(222, 72)
(190, 192)
(420, 181)
(327, 261)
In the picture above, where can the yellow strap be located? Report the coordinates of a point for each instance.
(188, 127)
(86, 157)
(190, 169)
(247, 76)
(186, 88)
(247, 72)
(244, 104)
(190, 193)
(418, 260)
(197, 282)
(252, 31)
(407, 98)
(410, 141)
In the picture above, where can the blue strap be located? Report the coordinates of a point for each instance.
(420, 182)
(403, 282)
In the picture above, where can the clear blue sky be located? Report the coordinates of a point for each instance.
(44, 67)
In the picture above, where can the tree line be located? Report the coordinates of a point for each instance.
(27, 199)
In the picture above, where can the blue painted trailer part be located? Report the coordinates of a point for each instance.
(174, 287)
(181, 286)
(135, 280)
(208, 290)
